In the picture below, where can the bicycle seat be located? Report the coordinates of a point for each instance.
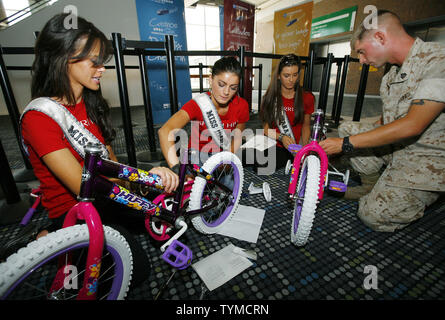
(178, 255)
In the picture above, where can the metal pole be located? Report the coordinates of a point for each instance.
(11, 105)
(171, 71)
(306, 73)
(260, 85)
(341, 92)
(7, 180)
(337, 83)
(361, 93)
(241, 51)
(324, 90)
(147, 102)
(311, 70)
(123, 96)
(201, 80)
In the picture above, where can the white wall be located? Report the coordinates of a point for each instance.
(108, 15)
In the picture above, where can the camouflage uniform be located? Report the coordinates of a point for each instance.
(415, 172)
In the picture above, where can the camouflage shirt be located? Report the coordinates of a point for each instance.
(418, 162)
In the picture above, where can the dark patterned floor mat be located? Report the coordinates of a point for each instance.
(332, 265)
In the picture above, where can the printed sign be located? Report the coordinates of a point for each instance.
(292, 29)
(238, 31)
(334, 23)
(157, 18)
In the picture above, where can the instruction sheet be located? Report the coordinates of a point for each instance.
(259, 142)
(245, 224)
(221, 266)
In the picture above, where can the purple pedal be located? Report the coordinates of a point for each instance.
(337, 186)
(294, 148)
(178, 255)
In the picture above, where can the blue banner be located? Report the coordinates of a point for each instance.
(157, 18)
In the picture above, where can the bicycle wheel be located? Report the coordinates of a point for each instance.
(29, 273)
(225, 167)
(306, 202)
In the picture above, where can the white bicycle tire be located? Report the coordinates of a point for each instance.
(198, 188)
(26, 259)
(300, 236)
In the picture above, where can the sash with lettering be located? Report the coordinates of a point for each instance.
(77, 135)
(213, 121)
(285, 127)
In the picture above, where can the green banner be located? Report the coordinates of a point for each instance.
(334, 23)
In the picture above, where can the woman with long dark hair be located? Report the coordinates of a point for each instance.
(66, 76)
(230, 110)
(286, 109)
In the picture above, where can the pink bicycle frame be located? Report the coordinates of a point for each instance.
(312, 147)
(84, 211)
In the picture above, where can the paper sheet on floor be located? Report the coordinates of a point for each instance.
(221, 266)
(259, 142)
(245, 224)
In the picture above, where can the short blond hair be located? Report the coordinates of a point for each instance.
(362, 31)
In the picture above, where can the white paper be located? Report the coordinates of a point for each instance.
(245, 224)
(259, 142)
(221, 266)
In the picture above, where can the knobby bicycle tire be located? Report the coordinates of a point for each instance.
(42, 255)
(306, 202)
(203, 193)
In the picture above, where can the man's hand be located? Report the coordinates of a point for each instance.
(332, 145)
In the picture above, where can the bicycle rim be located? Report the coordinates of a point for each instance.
(204, 192)
(300, 200)
(215, 216)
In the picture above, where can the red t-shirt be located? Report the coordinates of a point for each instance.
(238, 112)
(288, 104)
(43, 135)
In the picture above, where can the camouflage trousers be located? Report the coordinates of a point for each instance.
(386, 208)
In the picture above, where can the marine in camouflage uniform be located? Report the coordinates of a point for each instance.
(415, 172)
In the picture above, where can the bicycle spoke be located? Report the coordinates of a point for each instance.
(35, 287)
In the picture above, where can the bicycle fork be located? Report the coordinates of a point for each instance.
(82, 211)
(310, 148)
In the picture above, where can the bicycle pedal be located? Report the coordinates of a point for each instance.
(294, 148)
(337, 186)
(178, 255)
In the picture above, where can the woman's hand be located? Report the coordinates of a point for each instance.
(170, 180)
(286, 141)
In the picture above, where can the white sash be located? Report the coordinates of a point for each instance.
(212, 121)
(77, 135)
(285, 127)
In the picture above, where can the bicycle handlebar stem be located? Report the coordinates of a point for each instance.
(317, 128)
(92, 155)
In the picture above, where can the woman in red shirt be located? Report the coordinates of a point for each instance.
(231, 108)
(285, 93)
(68, 66)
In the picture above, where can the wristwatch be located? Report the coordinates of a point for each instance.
(280, 137)
(347, 147)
